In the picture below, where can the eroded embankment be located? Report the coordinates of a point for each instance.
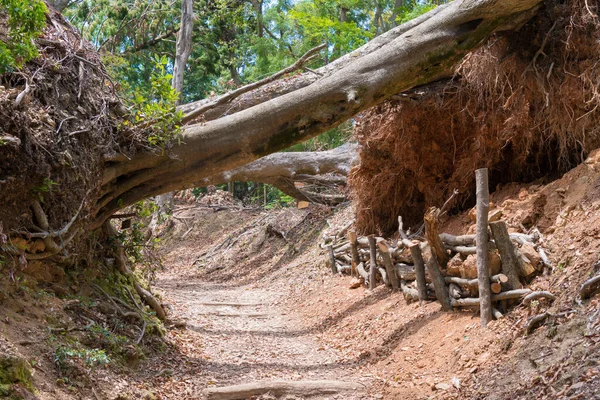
(525, 106)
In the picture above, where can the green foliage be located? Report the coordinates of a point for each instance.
(156, 107)
(318, 22)
(26, 20)
(277, 199)
(47, 186)
(328, 140)
(137, 248)
(91, 358)
(14, 371)
(416, 8)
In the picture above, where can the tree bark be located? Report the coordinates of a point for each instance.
(416, 53)
(433, 237)
(283, 169)
(354, 252)
(184, 45)
(164, 202)
(417, 256)
(441, 290)
(483, 272)
(384, 250)
(372, 263)
(510, 263)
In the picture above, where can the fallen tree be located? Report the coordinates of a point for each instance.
(64, 145)
(425, 51)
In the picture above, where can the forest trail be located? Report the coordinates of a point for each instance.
(253, 301)
(245, 335)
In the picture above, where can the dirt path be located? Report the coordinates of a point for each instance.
(244, 334)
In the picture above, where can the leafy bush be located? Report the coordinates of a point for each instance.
(26, 20)
(152, 107)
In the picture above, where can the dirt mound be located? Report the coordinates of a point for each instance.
(525, 106)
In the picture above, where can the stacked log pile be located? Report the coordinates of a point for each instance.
(441, 266)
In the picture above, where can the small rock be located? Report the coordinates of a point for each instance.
(455, 382)
(441, 386)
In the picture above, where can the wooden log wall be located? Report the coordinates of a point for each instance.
(425, 268)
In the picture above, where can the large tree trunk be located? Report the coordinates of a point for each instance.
(283, 169)
(418, 53)
(184, 45)
(164, 202)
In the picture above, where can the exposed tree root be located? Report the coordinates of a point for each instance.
(538, 295)
(279, 388)
(536, 321)
(589, 287)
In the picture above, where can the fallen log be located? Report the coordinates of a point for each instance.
(344, 257)
(472, 301)
(455, 291)
(389, 266)
(410, 294)
(538, 295)
(405, 272)
(342, 248)
(451, 240)
(589, 287)
(343, 269)
(279, 388)
(495, 287)
(523, 238)
(469, 240)
(496, 314)
(500, 278)
(468, 250)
